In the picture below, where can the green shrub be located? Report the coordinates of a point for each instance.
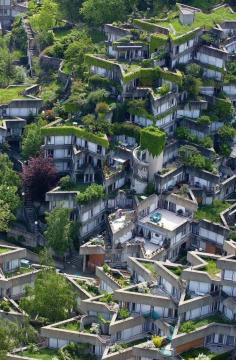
(107, 298)
(106, 268)
(157, 341)
(153, 140)
(164, 89)
(92, 193)
(204, 120)
(123, 313)
(66, 183)
(187, 327)
(4, 305)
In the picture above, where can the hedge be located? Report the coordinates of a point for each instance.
(150, 74)
(152, 139)
(130, 130)
(146, 25)
(100, 139)
(156, 41)
(100, 62)
(185, 37)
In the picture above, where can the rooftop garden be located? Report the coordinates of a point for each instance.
(123, 313)
(92, 193)
(107, 298)
(211, 267)
(63, 130)
(150, 267)
(39, 354)
(177, 271)
(153, 140)
(71, 326)
(12, 93)
(6, 305)
(70, 351)
(202, 20)
(192, 325)
(211, 212)
(4, 250)
(66, 184)
(194, 353)
(89, 287)
(19, 271)
(123, 281)
(122, 346)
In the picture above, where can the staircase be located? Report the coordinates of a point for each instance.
(76, 261)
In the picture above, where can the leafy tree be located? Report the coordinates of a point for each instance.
(58, 233)
(75, 54)
(66, 183)
(226, 135)
(224, 109)
(7, 70)
(192, 85)
(8, 195)
(13, 335)
(45, 18)
(32, 139)
(46, 258)
(100, 12)
(18, 39)
(52, 297)
(7, 175)
(39, 176)
(70, 8)
(193, 70)
(6, 216)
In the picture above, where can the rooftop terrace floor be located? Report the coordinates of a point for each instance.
(169, 220)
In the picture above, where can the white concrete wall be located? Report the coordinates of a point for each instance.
(199, 287)
(198, 312)
(230, 290)
(217, 238)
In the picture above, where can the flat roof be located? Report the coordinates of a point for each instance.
(169, 220)
(119, 223)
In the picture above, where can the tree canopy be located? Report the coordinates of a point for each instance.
(52, 297)
(58, 233)
(39, 176)
(32, 139)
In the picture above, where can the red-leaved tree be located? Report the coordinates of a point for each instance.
(39, 176)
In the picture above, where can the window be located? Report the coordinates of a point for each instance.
(50, 153)
(221, 339)
(118, 335)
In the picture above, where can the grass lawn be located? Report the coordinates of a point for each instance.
(211, 212)
(175, 270)
(73, 326)
(49, 91)
(211, 267)
(192, 325)
(201, 20)
(4, 250)
(192, 354)
(12, 93)
(150, 267)
(42, 354)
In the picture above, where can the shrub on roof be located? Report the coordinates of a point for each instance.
(153, 139)
(92, 193)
